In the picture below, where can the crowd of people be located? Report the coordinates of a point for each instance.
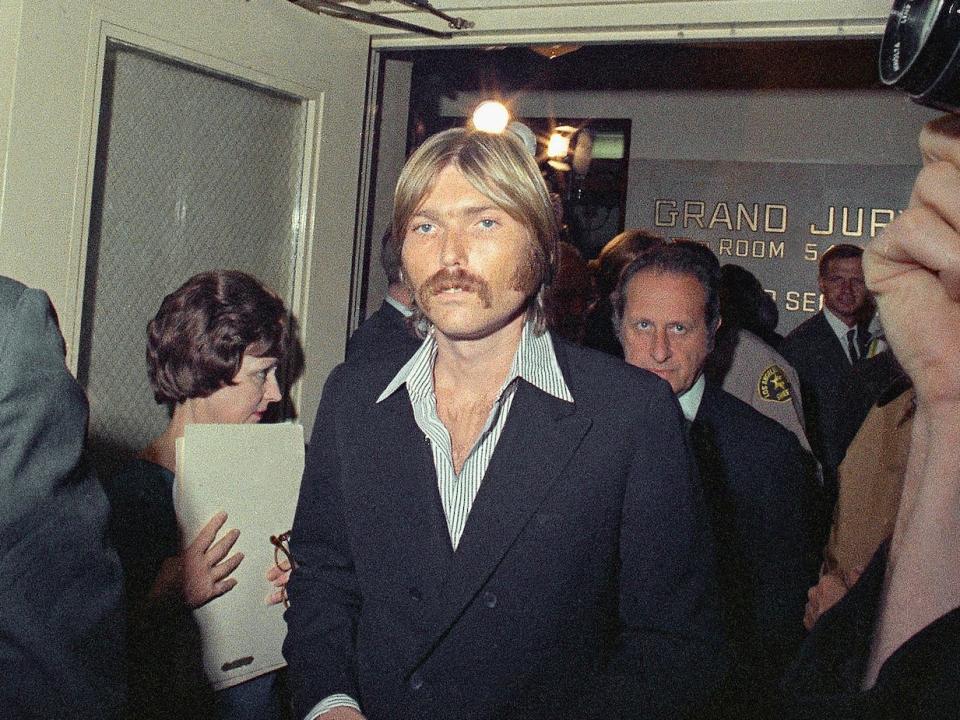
(537, 488)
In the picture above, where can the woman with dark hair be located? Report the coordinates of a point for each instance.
(745, 304)
(213, 349)
(606, 267)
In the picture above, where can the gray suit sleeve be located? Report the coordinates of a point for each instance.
(61, 628)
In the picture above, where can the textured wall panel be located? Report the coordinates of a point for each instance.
(195, 171)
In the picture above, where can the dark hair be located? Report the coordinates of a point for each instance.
(617, 253)
(390, 257)
(838, 252)
(197, 340)
(681, 257)
(744, 302)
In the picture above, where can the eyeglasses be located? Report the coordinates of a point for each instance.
(282, 557)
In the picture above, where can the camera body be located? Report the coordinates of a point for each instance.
(920, 51)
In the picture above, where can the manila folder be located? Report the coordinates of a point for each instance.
(253, 473)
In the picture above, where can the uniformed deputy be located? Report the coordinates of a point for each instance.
(752, 371)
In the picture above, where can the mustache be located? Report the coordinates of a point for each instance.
(445, 279)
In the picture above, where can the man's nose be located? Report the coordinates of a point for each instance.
(660, 346)
(453, 248)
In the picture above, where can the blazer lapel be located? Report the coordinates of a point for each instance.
(406, 503)
(539, 438)
(838, 348)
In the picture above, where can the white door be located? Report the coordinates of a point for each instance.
(309, 70)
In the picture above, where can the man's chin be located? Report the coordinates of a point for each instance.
(465, 329)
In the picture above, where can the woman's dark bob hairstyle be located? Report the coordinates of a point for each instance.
(197, 340)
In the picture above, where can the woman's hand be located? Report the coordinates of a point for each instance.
(279, 576)
(205, 572)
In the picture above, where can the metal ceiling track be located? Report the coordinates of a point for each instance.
(334, 9)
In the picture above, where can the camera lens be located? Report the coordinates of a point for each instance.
(919, 52)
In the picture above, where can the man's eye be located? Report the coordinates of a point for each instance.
(488, 224)
(643, 324)
(679, 328)
(422, 228)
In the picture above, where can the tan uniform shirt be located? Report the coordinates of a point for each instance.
(870, 479)
(762, 378)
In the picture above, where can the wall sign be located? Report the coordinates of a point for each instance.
(774, 219)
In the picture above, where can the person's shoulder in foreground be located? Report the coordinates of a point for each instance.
(61, 632)
(920, 680)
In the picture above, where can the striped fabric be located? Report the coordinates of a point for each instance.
(535, 362)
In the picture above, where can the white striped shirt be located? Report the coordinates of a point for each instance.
(534, 361)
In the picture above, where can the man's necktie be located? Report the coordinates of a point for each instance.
(852, 345)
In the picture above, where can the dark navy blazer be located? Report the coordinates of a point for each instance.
(823, 368)
(836, 395)
(764, 500)
(385, 333)
(583, 585)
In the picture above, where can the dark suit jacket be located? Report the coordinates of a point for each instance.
(761, 488)
(61, 623)
(836, 395)
(920, 681)
(583, 583)
(824, 371)
(385, 333)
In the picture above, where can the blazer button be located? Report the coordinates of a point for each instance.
(489, 599)
(416, 594)
(416, 681)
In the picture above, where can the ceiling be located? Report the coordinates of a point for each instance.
(821, 64)
(527, 21)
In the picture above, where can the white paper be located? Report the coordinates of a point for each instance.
(253, 473)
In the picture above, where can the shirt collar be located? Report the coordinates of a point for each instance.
(690, 399)
(398, 306)
(535, 361)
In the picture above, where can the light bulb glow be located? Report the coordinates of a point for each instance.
(558, 146)
(491, 116)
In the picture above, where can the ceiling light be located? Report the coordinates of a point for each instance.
(558, 146)
(491, 116)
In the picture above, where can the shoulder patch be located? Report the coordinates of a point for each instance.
(773, 385)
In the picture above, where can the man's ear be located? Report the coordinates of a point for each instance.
(822, 272)
(713, 335)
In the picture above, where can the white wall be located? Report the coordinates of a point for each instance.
(841, 126)
(847, 128)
